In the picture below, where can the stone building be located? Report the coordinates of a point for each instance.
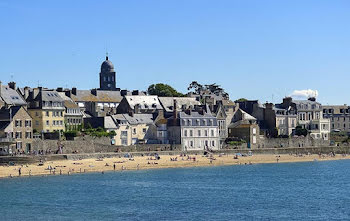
(182, 103)
(339, 116)
(244, 127)
(194, 129)
(16, 125)
(46, 107)
(73, 117)
(9, 95)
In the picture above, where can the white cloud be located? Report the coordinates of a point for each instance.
(304, 93)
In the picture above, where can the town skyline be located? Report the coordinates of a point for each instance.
(255, 50)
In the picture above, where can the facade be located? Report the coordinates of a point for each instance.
(46, 107)
(134, 129)
(245, 127)
(16, 126)
(73, 117)
(107, 76)
(280, 120)
(194, 130)
(310, 117)
(339, 116)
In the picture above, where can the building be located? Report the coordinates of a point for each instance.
(139, 104)
(16, 128)
(73, 117)
(244, 127)
(339, 116)
(194, 129)
(134, 129)
(46, 107)
(310, 117)
(107, 76)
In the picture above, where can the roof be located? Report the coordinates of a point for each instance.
(195, 114)
(101, 96)
(51, 96)
(144, 102)
(109, 123)
(10, 96)
(4, 124)
(139, 118)
(5, 112)
(246, 116)
(168, 102)
(68, 102)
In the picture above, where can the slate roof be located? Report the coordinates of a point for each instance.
(10, 96)
(5, 112)
(135, 119)
(4, 124)
(51, 96)
(168, 102)
(101, 96)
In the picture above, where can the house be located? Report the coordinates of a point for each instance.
(16, 129)
(139, 104)
(134, 129)
(73, 117)
(310, 117)
(339, 116)
(244, 127)
(194, 129)
(46, 107)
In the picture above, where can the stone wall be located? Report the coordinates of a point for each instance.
(97, 145)
(292, 142)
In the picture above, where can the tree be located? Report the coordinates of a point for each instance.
(241, 100)
(213, 88)
(300, 131)
(163, 90)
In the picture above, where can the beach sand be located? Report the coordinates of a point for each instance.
(70, 167)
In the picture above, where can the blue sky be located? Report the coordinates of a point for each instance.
(254, 49)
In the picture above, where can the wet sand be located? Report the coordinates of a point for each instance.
(70, 167)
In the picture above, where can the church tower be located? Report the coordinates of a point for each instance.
(107, 76)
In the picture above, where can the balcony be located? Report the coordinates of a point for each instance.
(6, 140)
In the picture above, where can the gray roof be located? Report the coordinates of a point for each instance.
(168, 102)
(107, 66)
(51, 96)
(135, 119)
(195, 114)
(10, 96)
(101, 96)
(109, 123)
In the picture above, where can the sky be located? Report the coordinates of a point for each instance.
(262, 50)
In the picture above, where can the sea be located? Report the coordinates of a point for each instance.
(281, 191)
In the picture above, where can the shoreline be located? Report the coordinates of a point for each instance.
(71, 167)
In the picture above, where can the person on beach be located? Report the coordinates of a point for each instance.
(19, 171)
(30, 172)
(114, 166)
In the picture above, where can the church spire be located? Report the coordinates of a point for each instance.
(106, 56)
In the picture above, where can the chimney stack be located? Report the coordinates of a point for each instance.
(12, 85)
(175, 109)
(93, 91)
(59, 89)
(123, 92)
(26, 92)
(74, 90)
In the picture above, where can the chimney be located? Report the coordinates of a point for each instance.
(59, 89)
(175, 109)
(93, 91)
(74, 90)
(135, 92)
(12, 85)
(35, 93)
(269, 105)
(312, 98)
(131, 114)
(137, 108)
(117, 89)
(26, 93)
(123, 92)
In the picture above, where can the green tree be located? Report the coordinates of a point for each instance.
(241, 100)
(300, 131)
(163, 90)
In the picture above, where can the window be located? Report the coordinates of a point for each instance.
(47, 123)
(28, 135)
(206, 133)
(212, 133)
(144, 130)
(185, 133)
(28, 123)
(124, 133)
(36, 114)
(18, 123)
(47, 113)
(199, 133)
(213, 143)
(19, 135)
(191, 143)
(254, 130)
(134, 130)
(191, 133)
(37, 123)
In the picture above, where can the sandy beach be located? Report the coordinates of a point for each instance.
(70, 167)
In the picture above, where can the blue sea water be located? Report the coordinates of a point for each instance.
(288, 191)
